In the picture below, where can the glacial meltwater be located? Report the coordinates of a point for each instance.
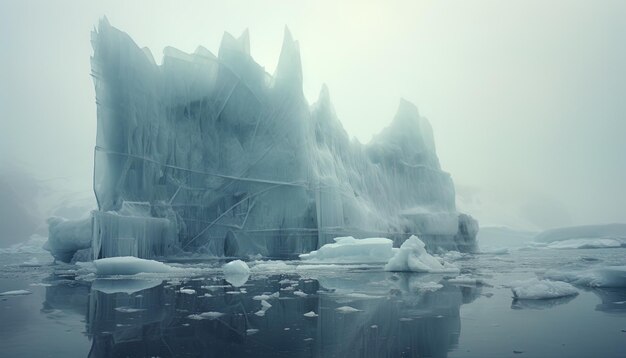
(293, 309)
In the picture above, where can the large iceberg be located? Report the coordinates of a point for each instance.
(211, 154)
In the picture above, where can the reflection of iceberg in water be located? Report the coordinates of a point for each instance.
(613, 299)
(399, 314)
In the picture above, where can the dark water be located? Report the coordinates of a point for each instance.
(399, 315)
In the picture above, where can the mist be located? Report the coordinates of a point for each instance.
(525, 97)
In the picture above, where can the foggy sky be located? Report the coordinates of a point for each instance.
(527, 99)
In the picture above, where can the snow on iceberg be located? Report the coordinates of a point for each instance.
(535, 289)
(412, 256)
(128, 265)
(226, 159)
(351, 250)
(607, 276)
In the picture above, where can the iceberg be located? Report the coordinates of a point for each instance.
(209, 153)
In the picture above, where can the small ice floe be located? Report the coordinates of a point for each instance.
(308, 339)
(405, 319)
(535, 289)
(236, 273)
(310, 314)
(206, 295)
(266, 296)
(299, 293)
(260, 313)
(412, 256)
(264, 307)
(265, 304)
(15, 293)
(374, 326)
(205, 315)
(495, 251)
(125, 309)
(187, 291)
(346, 309)
(350, 250)
(467, 280)
(251, 331)
(286, 329)
(128, 265)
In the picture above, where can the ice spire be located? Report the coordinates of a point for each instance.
(288, 73)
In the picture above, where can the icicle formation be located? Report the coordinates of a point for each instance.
(233, 161)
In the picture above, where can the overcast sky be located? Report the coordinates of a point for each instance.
(527, 99)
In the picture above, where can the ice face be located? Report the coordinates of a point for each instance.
(228, 160)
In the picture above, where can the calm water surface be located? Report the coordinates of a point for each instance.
(395, 315)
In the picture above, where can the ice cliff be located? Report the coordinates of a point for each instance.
(211, 154)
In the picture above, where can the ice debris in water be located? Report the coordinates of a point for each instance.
(187, 291)
(350, 250)
(205, 315)
(535, 289)
(413, 257)
(128, 265)
(607, 276)
(211, 153)
(310, 314)
(15, 293)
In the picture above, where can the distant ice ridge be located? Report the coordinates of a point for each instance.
(211, 154)
(587, 232)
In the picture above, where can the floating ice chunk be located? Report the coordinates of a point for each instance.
(236, 273)
(535, 289)
(128, 265)
(608, 276)
(495, 251)
(205, 315)
(260, 313)
(299, 293)
(429, 286)
(265, 296)
(187, 291)
(467, 280)
(15, 293)
(351, 250)
(310, 314)
(266, 305)
(588, 244)
(412, 256)
(251, 331)
(346, 309)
